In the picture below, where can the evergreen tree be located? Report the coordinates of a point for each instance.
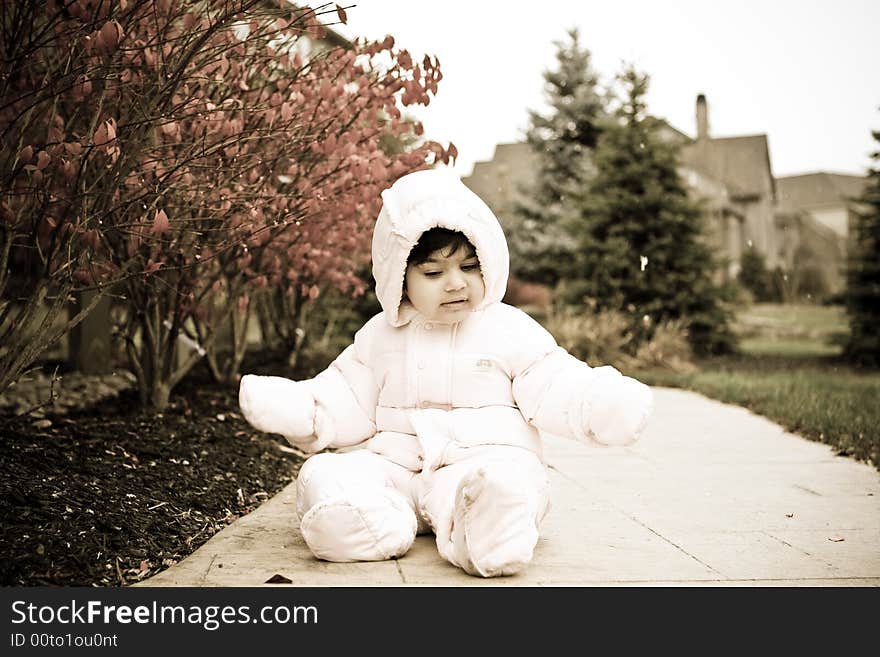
(863, 274)
(755, 277)
(642, 249)
(540, 239)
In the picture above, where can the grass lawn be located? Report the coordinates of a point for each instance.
(789, 371)
(791, 329)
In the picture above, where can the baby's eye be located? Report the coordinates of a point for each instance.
(471, 267)
(431, 274)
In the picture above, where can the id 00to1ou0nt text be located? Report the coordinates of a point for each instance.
(69, 640)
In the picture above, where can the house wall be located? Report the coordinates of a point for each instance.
(734, 242)
(809, 244)
(761, 231)
(499, 182)
(725, 232)
(836, 218)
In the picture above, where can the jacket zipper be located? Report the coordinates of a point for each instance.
(451, 361)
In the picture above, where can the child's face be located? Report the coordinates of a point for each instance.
(445, 288)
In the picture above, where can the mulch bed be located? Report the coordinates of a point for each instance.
(109, 495)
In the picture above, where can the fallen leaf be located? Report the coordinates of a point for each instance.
(278, 579)
(789, 515)
(836, 539)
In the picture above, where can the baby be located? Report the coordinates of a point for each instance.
(443, 393)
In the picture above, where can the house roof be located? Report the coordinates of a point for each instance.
(817, 189)
(669, 132)
(517, 158)
(513, 149)
(742, 163)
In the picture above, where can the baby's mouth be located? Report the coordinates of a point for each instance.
(454, 304)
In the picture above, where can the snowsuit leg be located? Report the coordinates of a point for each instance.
(355, 506)
(485, 504)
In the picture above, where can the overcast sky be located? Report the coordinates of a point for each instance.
(805, 73)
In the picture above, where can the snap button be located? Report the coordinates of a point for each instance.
(429, 326)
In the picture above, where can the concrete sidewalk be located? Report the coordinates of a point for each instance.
(712, 495)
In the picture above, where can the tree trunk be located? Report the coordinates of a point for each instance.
(90, 348)
(159, 396)
(155, 395)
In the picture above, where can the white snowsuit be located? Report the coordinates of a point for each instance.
(445, 416)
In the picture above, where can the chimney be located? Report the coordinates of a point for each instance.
(702, 118)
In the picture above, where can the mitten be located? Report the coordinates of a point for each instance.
(616, 408)
(278, 405)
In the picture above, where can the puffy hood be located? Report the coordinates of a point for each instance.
(418, 202)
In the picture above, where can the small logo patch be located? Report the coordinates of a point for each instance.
(484, 364)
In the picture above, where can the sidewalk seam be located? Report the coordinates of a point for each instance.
(400, 570)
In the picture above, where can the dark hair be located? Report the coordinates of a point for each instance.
(437, 239)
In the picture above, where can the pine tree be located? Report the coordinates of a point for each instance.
(642, 249)
(754, 275)
(540, 240)
(863, 274)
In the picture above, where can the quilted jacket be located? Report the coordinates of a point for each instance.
(406, 386)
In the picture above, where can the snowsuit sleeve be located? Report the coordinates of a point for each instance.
(336, 408)
(346, 395)
(561, 395)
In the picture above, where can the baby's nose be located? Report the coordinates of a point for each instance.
(455, 282)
